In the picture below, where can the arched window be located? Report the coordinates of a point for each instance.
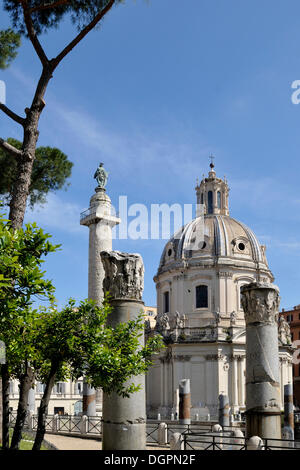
(240, 299)
(201, 296)
(219, 199)
(209, 202)
(202, 198)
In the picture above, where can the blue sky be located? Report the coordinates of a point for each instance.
(152, 94)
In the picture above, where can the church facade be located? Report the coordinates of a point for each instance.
(200, 316)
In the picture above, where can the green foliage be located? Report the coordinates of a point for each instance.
(50, 170)
(81, 13)
(79, 342)
(118, 357)
(21, 253)
(10, 41)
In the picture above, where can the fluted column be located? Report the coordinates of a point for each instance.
(242, 381)
(124, 419)
(235, 398)
(260, 303)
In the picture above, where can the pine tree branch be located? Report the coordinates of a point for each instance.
(49, 5)
(11, 114)
(10, 149)
(82, 34)
(32, 34)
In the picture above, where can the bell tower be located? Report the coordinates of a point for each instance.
(213, 192)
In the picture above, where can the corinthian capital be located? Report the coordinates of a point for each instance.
(260, 302)
(124, 275)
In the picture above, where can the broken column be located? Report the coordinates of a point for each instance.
(223, 410)
(185, 401)
(88, 400)
(260, 302)
(124, 419)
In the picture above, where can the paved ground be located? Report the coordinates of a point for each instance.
(77, 443)
(72, 443)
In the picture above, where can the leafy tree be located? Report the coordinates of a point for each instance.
(50, 170)
(31, 18)
(21, 253)
(76, 341)
(9, 44)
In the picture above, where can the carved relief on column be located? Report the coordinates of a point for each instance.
(260, 302)
(124, 275)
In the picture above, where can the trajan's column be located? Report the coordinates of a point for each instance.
(100, 222)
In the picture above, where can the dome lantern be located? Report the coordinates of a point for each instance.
(212, 193)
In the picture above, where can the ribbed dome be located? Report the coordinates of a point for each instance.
(224, 237)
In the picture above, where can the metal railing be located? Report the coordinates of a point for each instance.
(94, 425)
(212, 441)
(70, 424)
(49, 422)
(91, 425)
(85, 213)
(152, 433)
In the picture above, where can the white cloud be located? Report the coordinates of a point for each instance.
(56, 214)
(126, 150)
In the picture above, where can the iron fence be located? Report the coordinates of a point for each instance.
(69, 424)
(152, 433)
(48, 424)
(94, 425)
(224, 441)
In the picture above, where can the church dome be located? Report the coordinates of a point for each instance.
(213, 237)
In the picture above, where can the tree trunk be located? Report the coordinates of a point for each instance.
(26, 383)
(43, 410)
(20, 190)
(5, 406)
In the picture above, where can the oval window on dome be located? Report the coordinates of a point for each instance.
(170, 251)
(241, 246)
